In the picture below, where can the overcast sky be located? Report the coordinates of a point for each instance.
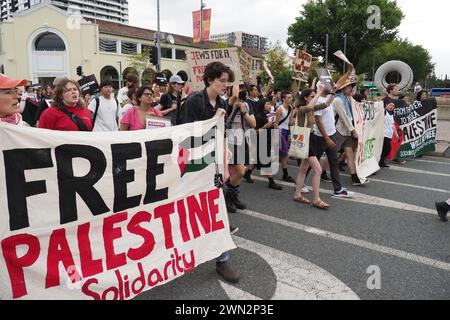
(425, 23)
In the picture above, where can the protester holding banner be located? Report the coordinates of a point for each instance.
(422, 96)
(393, 94)
(307, 105)
(67, 112)
(443, 208)
(285, 116)
(389, 131)
(135, 118)
(204, 105)
(9, 109)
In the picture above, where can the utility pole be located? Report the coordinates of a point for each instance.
(202, 5)
(326, 54)
(158, 40)
(345, 51)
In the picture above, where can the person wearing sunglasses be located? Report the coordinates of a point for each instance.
(9, 98)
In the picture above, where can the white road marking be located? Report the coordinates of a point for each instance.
(356, 242)
(403, 169)
(398, 183)
(434, 162)
(297, 279)
(366, 199)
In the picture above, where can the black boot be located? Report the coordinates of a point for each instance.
(442, 209)
(273, 185)
(239, 205)
(248, 176)
(231, 207)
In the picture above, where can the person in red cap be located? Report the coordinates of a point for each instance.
(68, 112)
(9, 99)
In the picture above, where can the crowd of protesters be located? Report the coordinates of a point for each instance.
(266, 116)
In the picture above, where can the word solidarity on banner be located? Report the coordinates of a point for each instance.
(95, 216)
(369, 124)
(199, 59)
(418, 127)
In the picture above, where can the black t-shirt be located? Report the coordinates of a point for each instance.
(167, 100)
(198, 107)
(261, 120)
(253, 105)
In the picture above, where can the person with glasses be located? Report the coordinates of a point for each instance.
(135, 118)
(68, 112)
(9, 99)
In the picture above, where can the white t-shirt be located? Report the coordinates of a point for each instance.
(108, 112)
(122, 96)
(284, 115)
(388, 126)
(328, 121)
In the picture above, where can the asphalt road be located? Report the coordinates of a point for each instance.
(387, 243)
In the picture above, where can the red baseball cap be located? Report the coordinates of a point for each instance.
(8, 83)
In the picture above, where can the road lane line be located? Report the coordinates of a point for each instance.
(398, 184)
(366, 199)
(352, 241)
(409, 170)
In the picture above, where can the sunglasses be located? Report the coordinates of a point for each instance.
(11, 91)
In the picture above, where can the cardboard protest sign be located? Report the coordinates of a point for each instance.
(198, 60)
(89, 85)
(369, 124)
(108, 216)
(325, 78)
(417, 124)
(302, 65)
(246, 63)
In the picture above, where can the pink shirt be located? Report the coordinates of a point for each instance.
(132, 118)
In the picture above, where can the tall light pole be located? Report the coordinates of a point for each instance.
(326, 53)
(345, 51)
(120, 73)
(158, 40)
(202, 5)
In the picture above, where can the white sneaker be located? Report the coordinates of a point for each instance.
(344, 193)
(305, 189)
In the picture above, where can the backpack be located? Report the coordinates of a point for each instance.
(97, 104)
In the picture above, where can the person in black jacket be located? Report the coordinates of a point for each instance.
(205, 105)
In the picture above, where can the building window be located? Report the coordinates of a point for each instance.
(129, 48)
(166, 53)
(108, 45)
(180, 54)
(49, 42)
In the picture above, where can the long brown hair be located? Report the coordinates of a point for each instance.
(59, 92)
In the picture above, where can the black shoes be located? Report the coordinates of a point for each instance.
(274, 186)
(288, 179)
(324, 177)
(442, 209)
(248, 176)
(228, 272)
(232, 200)
(383, 165)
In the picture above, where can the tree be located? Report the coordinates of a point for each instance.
(417, 57)
(276, 59)
(339, 17)
(140, 61)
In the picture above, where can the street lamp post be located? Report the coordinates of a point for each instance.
(345, 51)
(120, 73)
(202, 5)
(158, 39)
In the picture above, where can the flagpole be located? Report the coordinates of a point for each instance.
(201, 23)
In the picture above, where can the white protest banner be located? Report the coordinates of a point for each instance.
(108, 215)
(369, 124)
(302, 65)
(198, 59)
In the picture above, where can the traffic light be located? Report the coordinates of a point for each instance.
(79, 71)
(154, 56)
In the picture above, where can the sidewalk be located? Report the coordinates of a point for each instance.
(443, 138)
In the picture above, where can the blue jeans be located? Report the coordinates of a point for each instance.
(224, 257)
